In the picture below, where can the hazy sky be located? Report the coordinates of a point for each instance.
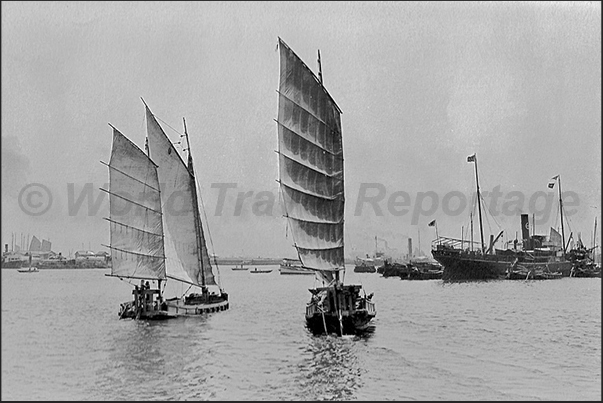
(421, 85)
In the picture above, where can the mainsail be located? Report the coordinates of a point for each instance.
(187, 259)
(310, 165)
(136, 229)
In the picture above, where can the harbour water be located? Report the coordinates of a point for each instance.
(502, 340)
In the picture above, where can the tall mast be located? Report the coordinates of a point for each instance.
(561, 211)
(319, 68)
(479, 206)
(375, 245)
(197, 218)
(471, 219)
(595, 242)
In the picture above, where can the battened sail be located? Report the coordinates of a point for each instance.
(187, 258)
(310, 165)
(135, 218)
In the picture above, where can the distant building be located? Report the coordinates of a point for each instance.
(88, 255)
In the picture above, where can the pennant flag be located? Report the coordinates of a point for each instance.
(471, 158)
(431, 224)
(552, 184)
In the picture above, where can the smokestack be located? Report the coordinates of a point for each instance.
(525, 231)
(5, 248)
(409, 248)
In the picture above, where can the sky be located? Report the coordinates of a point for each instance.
(422, 85)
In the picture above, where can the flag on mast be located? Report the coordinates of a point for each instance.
(552, 182)
(471, 158)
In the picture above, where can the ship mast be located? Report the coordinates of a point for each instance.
(479, 204)
(561, 211)
(319, 68)
(195, 206)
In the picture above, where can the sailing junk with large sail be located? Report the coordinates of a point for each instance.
(156, 231)
(311, 182)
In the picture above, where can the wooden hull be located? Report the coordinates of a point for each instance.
(365, 269)
(172, 308)
(357, 322)
(328, 306)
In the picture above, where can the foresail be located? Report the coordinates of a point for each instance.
(187, 257)
(310, 165)
(135, 212)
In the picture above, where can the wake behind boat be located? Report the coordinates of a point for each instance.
(310, 153)
(165, 250)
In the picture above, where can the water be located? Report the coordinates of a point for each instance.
(505, 340)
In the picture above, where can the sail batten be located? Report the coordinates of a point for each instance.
(136, 179)
(310, 141)
(131, 252)
(308, 193)
(310, 165)
(131, 201)
(299, 120)
(134, 228)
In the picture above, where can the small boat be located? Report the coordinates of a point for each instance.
(364, 265)
(255, 270)
(240, 267)
(30, 269)
(531, 272)
(149, 240)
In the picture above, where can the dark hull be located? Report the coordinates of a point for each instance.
(329, 304)
(586, 272)
(465, 266)
(410, 272)
(354, 323)
(365, 269)
(153, 309)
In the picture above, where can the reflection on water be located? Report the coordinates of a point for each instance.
(332, 370)
(62, 340)
(162, 355)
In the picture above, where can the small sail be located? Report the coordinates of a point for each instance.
(186, 251)
(555, 238)
(310, 165)
(35, 245)
(136, 228)
(46, 245)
